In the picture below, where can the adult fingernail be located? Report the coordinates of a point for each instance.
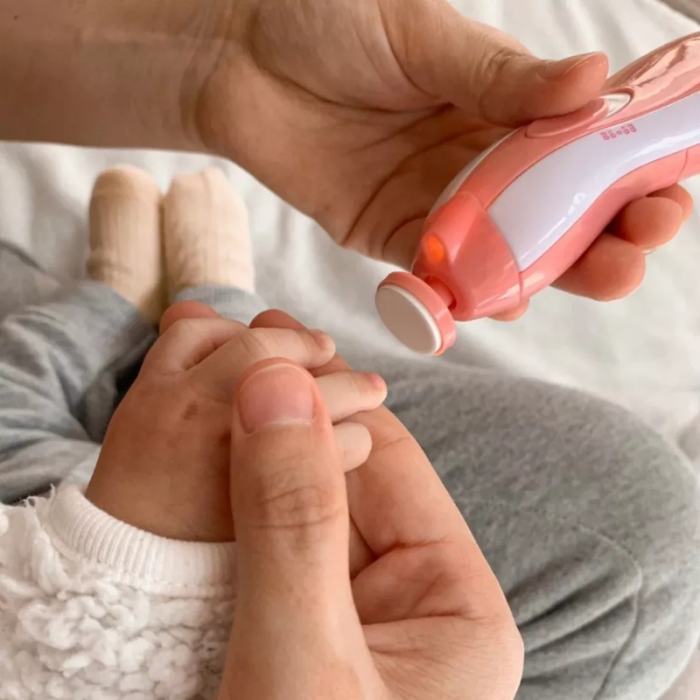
(275, 396)
(555, 70)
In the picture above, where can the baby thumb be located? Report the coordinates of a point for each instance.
(289, 500)
(484, 71)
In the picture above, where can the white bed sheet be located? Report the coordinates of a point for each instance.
(643, 352)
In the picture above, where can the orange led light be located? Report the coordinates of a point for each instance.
(434, 249)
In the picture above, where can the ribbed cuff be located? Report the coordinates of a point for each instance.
(229, 302)
(134, 557)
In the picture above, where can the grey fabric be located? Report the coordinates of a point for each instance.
(60, 362)
(589, 518)
(65, 362)
(22, 282)
(687, 7)
(228, 302)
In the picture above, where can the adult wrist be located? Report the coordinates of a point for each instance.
(108, 74)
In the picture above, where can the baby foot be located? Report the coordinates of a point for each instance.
(125, 238)
(207, 241)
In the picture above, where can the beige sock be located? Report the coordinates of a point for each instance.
(125, 238)
(205, 227)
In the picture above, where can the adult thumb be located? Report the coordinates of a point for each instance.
(484, 71)
(289, 500)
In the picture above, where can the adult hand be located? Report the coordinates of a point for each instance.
(424, 619)
(432, 614)
(164, 465)
(360, 113)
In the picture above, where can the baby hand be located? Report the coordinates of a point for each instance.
(164, 466)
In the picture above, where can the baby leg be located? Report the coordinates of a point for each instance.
(125, 239)
(61, 360)
(22, 281)
(207, 246)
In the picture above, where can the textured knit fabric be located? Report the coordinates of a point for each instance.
(126, 245)
(590, 520)
(92, 609)
(220, 253)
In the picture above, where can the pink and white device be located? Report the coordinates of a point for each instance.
(521, 214)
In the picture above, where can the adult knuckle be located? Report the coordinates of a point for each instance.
(490, 70)
(392, 444)
(492, 64)
(291, 503)
(501, 651)
(506, 629)
(499, 633)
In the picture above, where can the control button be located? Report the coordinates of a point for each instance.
(617, 101)
(555, 126)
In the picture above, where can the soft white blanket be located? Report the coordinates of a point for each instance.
(643, 352)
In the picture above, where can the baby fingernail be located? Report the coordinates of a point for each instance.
(278, 395)
(324, 341)
(376, 381)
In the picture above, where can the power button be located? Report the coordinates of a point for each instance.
(554, 126)
(601, 108)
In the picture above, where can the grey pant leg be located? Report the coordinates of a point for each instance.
(590, 520)
(22, 282)
(59, 365)
(62, 362)
(229, 302)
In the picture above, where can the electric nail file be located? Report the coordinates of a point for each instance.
(521, 214)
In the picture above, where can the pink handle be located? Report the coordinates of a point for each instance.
(665, 75)
(465, 268)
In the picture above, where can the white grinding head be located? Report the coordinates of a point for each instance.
(409, 319)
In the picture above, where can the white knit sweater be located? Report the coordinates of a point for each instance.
(93, 609)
